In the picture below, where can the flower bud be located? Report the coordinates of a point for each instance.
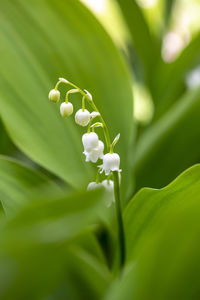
(90, 141)
(88, 94)
(96, 153)
(66, 109)
(93, 186)
(82, 117)
(111, 162)
(54, 95)
(94, 114)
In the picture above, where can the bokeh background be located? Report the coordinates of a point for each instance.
(140, 59)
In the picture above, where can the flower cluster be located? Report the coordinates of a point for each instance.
(93, 147)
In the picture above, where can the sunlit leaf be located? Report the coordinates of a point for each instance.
(150, 209)
(41, 41)
(143, 41)
(162, 230)
(169, 80)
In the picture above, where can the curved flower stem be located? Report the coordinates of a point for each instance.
(105, 128)
(121, 236)
(91, 103)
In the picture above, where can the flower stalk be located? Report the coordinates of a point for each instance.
(93, 150)
(121, 236)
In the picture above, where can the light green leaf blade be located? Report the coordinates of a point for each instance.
(170, 145)
(162, 238)
(55, 272)
(41, 41)
(18, 183)
(52, 218)
(42, 249)
(6, 145)
(143, 41)
(149, 208)
(172, 259)
(172, 77)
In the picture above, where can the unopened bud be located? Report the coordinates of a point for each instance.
(66, 109)
(54, 95)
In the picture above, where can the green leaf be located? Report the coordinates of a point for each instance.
(162, 230)
(149, 208)
(18, 183)
(51, 218)
(168, 9)
(172, 258)
(44, 40)
(170, 145)
(90, 278)
(55, 272)
(142, 39)
(43, 251)
(6, 145)
(168, 84)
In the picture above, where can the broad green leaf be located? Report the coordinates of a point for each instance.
(168, 8)
(170, 145)
(162, 238)
(150, 209)
(169, 81)
(6, 145)
(169, 264)
(44, 40)
(55, 271)
(90, 277)
(143, 41)
(43, 252)
(52, 219)
(18, 183)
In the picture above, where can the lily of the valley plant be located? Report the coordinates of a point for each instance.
(94, 149)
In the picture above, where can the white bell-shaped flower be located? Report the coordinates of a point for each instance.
(82, 117)
(111, 162)
(90, 141)
(66, 109)
(91, 156)
(96, 153)
(54, 95)
(109, 186)
(93, 186)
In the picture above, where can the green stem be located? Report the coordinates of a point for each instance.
(105, 128)
(121, 236)
(83, 103)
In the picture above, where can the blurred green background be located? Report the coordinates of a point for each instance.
(140, 59)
